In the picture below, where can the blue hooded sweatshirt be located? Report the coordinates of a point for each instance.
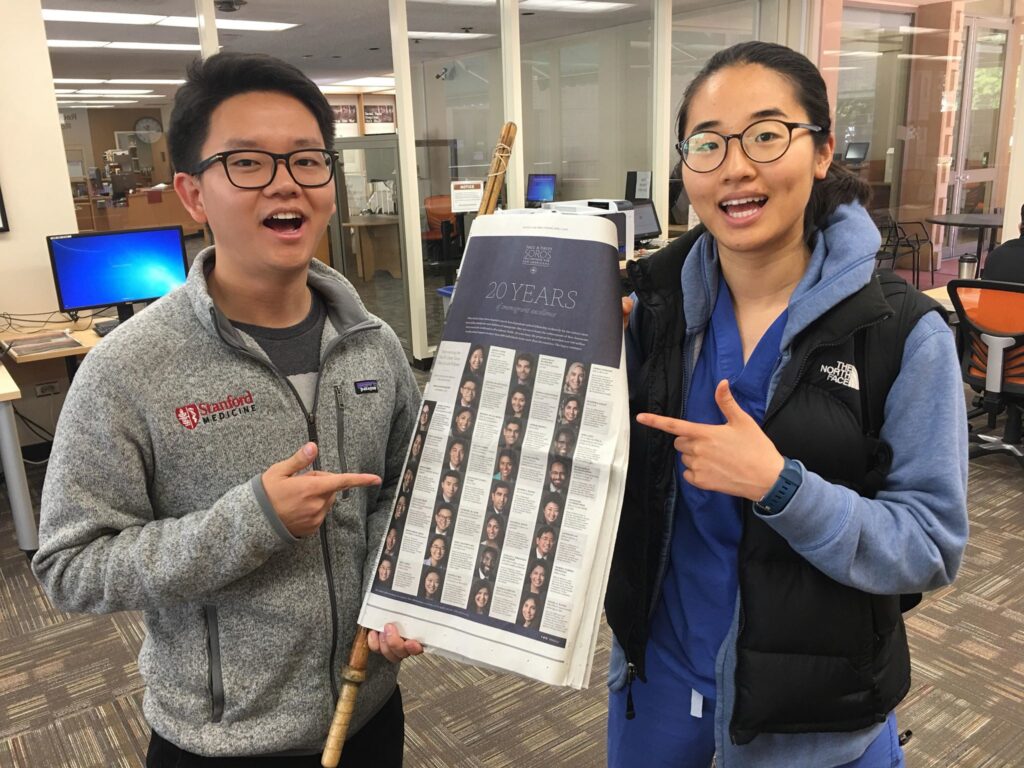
(911, 536)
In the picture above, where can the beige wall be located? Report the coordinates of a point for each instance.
(36, 188)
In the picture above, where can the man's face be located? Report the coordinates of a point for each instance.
(450, 486)
(511, 434)
(443, 519)
(400, 507)
(487, 562)
(407, 480)
(544, 543)
(557, 475)
(499, 497)
(522, 369)
(456, 454)
(392, 538)
(417, 444)
(468, 391)
(437, 550)
(253, 238)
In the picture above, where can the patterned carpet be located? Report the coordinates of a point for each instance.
(70, 694)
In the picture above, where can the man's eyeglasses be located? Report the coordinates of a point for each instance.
(256, 169)
(763, 142)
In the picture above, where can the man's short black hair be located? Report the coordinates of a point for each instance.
(212, 81)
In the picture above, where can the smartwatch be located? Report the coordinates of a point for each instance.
(778, 495)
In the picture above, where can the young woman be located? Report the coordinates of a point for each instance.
(492, 532)
(480, 598)
(574, 378)
(535, 579)
(762, 620)
(528, 613)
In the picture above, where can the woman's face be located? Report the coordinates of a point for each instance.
(518, 402)
(430, 583)
(574, 378)
(425, 416)
(391, 540)
(384, 570)
(529, 609)
(551, 513)
(571, 410)
(492, 530)
(505, 468)
(476, 360)
(400, 507)
(482, 597)
(417, 444)
(463, 420)
(727, 102)
(537, 577)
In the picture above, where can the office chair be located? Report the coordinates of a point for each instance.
(991, 317)
(442, 239)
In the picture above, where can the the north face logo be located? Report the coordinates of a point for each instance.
(188, 416)
(192, 415)
(842, 373)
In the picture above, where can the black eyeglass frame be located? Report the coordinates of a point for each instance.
(222, 158)
(739, 137)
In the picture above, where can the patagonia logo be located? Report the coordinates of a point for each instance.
(367, 387)
(842, 373)
(192, 415)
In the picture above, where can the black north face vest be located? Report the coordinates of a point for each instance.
(812, 655)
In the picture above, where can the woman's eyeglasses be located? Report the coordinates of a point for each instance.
(763, 142)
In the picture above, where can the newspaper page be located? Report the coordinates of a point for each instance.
(502, 532)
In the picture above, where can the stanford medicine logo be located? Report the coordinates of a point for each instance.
(192, 415)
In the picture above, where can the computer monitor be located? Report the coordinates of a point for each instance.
(856, 152)
(645, 221)
(540, 188)
(103, 269)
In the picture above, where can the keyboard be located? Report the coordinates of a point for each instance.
(103, 327)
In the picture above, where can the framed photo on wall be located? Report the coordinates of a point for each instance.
(3, 214)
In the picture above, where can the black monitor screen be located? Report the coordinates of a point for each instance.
(645, 220)
(540, 188)
(100, 269)
(856, 151)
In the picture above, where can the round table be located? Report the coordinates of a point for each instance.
(979, 221)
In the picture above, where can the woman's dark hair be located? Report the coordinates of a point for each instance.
(212, 81)
(840, 185)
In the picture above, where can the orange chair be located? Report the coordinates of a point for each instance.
(992, 357)
(442, 239)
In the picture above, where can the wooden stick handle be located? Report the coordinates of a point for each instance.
(353, 675)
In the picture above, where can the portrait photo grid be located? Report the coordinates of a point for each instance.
(479, 511)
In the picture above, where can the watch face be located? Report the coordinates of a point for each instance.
(148, 129)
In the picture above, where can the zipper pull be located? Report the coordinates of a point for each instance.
(630, 677)
(313, 436)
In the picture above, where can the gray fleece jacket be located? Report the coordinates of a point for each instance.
(153, 501)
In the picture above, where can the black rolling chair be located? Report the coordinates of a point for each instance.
(991, 318)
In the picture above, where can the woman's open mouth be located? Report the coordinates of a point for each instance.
(742, 207)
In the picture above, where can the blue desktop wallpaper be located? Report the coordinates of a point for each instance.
(540, 187)
(117, 267)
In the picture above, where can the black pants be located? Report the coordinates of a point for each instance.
(379, 744)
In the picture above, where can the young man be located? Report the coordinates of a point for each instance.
(202, 470)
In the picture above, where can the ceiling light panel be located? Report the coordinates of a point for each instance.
(76, 81)
(572, 6)
(140, 82)
(155, 46)
(191, 22)
(448, 35)
(94, 17)
(369, 82)
(77, 43)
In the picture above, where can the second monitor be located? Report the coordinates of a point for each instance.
(540, 188)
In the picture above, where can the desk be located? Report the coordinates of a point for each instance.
(14, 469)
(10, 448)
(979, 221)
(377, 233)
(940, 295)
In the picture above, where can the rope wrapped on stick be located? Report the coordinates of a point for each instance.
(354, 672)
(496, 173)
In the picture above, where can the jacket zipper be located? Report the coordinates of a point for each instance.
(313, 436)
(214, 673)
(342, 461)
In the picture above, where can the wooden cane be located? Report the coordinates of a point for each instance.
(353, 675)
(354, 672)
(496, 172)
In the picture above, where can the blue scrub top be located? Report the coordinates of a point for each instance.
(698, 596)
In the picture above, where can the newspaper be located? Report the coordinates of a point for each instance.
(502, 531)
(47, 341)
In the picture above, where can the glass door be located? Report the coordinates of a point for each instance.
(976, 155)
(368, 230)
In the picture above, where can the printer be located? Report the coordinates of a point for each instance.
(619, 212)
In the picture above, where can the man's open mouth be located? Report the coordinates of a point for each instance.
(284, 222)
